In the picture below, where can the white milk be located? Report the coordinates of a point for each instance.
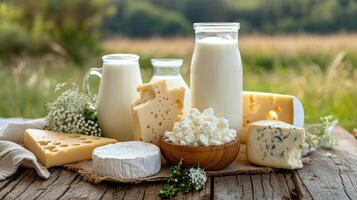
(117, 92)
(217, 78)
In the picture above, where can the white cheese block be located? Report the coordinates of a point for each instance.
(275, 144)
(269, 106)
(156, 111)
(127, 160)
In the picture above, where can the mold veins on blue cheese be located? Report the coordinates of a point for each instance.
(275, 144)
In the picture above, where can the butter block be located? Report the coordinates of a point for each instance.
(269, 106)
(156, 111)
(275, 144)
(56, 149)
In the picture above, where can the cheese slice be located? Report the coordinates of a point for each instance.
(156, 111)
(127, 160)
(56, 149)
(268, 106)
(275, 144)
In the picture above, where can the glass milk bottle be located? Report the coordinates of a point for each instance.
(120, 76)
(170, 70)
(216, 71)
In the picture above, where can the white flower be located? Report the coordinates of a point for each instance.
(198, 177)
(68, 113)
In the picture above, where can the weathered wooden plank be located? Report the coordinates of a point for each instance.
(245, 183)
(233, 187)
(22, 185)
(271, 186)
(135, 192)
(332, 174)
(302, 189)
(279, 186)
(81, 189)
(39, 185)
(115, 191)
(294, 192)
(152, 191)
(13, 184)
(226, 188)
(56, 189)
(6, 182)
(205, 193)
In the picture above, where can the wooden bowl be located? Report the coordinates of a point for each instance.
(213, 157)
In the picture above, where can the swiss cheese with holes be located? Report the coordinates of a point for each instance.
(268, 106)
(56, 149)
(156, 111)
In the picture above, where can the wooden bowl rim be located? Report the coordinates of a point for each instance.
(201, 148)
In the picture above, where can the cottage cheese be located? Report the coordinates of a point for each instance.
(201, 129)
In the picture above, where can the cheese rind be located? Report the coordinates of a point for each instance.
(57, 149)
(156, 111)
(269, 106)
(275, 144)
(127, 160)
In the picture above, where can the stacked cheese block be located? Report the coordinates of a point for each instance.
(272, 129)
(268, 106)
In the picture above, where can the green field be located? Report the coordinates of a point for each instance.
(321, 71)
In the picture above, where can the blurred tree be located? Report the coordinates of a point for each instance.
(263, 16)
(13, 36)
(41, 26)
(140, 18)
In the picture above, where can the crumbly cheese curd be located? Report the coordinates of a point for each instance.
(201, 129)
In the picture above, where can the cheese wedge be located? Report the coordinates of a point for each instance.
(268, 106)
(275, 144)
(56, 149)
(156, 111)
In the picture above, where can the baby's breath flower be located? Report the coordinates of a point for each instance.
(73, 112)
(198, 177)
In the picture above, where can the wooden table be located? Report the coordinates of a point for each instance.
(330, 174)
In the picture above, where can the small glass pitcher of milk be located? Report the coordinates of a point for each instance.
(169, 69)
(216, 71)
(120, 76)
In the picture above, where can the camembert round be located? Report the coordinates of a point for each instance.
(127, 160)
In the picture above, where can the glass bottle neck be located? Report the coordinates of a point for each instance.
(167, 71)
(226, 31)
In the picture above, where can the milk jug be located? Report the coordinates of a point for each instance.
(120, 76)
(216, 71)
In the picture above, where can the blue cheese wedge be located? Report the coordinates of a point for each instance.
(275, 144)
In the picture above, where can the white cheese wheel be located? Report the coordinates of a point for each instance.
(127, 160)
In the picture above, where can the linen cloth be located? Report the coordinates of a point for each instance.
(12, 154)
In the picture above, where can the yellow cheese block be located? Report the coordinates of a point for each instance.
(268, 106)
(56, 149)
(156, 111)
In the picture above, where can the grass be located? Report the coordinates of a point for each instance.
(319, 70)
